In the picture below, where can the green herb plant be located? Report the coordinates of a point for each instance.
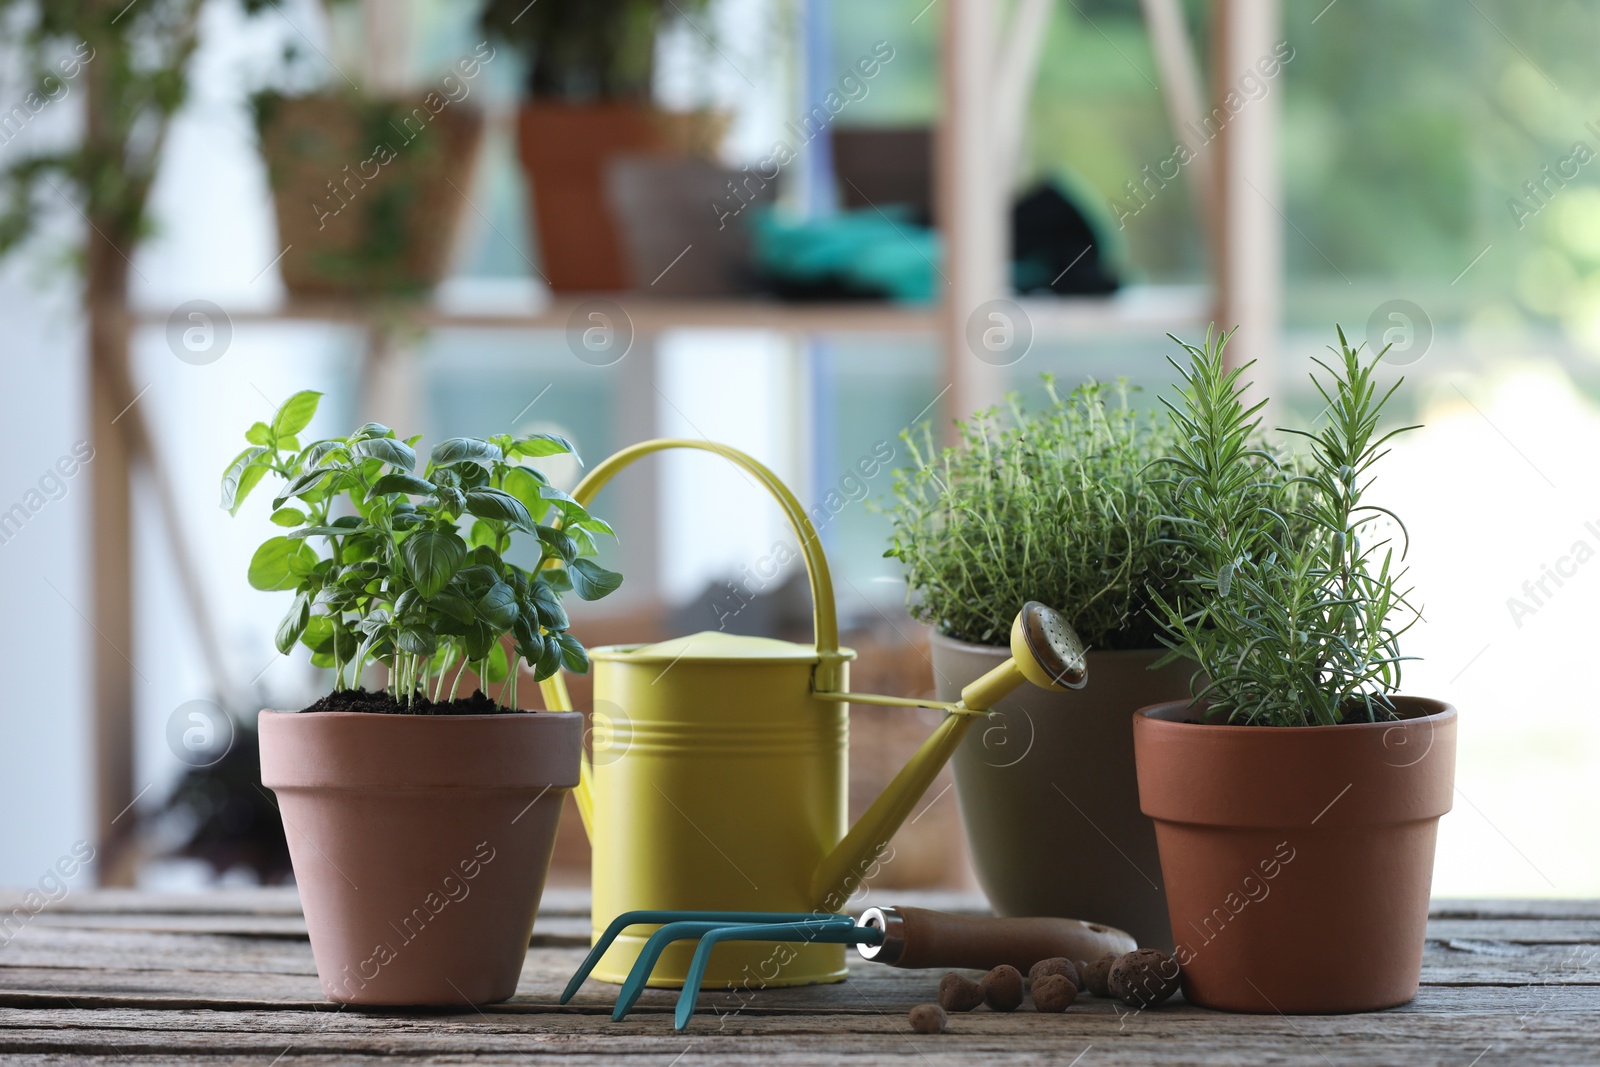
(1061, 504)
(1295, 606)
(396, 581)
(587, 49)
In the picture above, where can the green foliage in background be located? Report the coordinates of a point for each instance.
(584, 49)
(1295, 607)
(1060, 505)
(137, 55)
(400, 584)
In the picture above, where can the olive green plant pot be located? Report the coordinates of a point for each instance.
(1049, 794)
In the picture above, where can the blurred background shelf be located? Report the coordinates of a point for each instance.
(475, 304)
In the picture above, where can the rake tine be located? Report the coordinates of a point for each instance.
(650, 917)
(827, 931)
(633, 988)
(620, 923)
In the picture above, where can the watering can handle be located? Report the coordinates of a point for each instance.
(825, 621)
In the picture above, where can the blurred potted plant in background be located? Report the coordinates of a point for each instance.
(420, 821)
(1296, 796)
(219, 815)
(590, 67)
(1062, 505)
(369, 185)
(126, 67)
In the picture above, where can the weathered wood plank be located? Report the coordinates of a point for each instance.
(229, 977)
(1473, 955)
(1515, 909)
(1180, 1036)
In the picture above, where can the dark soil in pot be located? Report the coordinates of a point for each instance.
(383, 703)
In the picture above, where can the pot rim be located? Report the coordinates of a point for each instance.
(359, 751)
(1445, 712)
(521, 712)
(1005, 650)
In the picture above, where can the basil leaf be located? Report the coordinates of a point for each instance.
(463, 450)
(296, 413)
(479, 639)
(321, 450)
(562, 543)
(592, 581)
(318, 635)
(432, 557)
(500, 505)
(395, 453)
(303, 484)
(549, 659)
(573, 657)
(241, 477)
(544, 444)
(400, 482)
(456, 607)
(293, 624)
(498, 607)
(548, 607)
(417, 640)
(278, 562)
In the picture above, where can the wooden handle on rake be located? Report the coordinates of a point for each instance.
(918, 937)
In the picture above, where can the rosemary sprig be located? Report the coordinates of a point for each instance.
(1295, 606)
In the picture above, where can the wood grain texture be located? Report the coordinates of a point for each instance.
(229, 978)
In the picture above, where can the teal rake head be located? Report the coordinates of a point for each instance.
(710, 928)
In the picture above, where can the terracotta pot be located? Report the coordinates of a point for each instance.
(420, 844)
(1298, 860)
(362, 190)
(565, 149)
(1049, 796)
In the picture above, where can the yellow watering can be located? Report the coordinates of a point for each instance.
(726, 788)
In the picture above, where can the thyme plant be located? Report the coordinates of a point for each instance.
(396, 581)
(1294, 609)
(1060, 504)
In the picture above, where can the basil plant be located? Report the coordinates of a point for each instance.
(408, 569)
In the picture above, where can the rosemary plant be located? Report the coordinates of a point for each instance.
(1294, 609)
(1061, 504)
(399, 583)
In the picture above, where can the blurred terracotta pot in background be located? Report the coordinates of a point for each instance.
(566, 150)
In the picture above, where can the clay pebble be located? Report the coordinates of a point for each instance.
(957, 992)
(1054, 992)
(1056, 965)
(1095, 974)
(1143, 978)
(1002, 988)
(929, 1019)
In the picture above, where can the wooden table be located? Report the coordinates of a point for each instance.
(228, 977)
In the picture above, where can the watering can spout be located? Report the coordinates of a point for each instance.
(1044, 650)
